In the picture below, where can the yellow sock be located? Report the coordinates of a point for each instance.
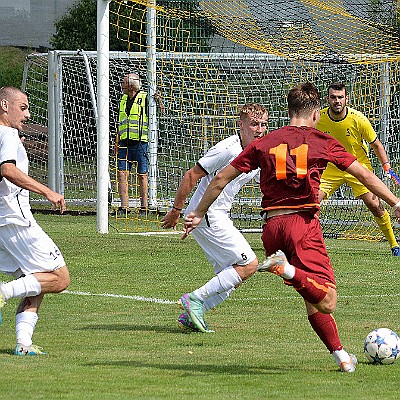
(385, 226)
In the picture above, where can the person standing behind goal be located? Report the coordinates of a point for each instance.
(354, 131)
(26, 251)
(225, 247)
(132, 140)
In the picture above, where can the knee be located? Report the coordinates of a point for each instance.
(327, 308)
(377, 211)
(327, 305)
(375, 206)
(63, 279)
(246, 271)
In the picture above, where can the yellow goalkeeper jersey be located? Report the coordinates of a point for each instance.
(354, 131)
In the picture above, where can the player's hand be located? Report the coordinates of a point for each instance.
(57, 200)
(386, 167)
(191, 222)
(171, 219)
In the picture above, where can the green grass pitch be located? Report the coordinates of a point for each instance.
(113, 335)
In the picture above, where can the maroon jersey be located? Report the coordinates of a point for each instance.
(292, 160)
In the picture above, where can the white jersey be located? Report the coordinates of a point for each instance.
(221, 242)
(14, 201)
(24, 247)
(216, 159)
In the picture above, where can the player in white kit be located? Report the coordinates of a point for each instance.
(26, 252)
(225, 247)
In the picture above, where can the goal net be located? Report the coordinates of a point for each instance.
(211, 58)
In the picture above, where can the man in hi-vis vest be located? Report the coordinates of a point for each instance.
(132, 140)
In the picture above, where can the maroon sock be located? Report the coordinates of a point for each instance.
(311, 289)
(325, 327)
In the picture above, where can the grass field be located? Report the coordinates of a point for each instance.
(113, 334)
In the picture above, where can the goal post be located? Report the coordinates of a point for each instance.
(203, 73)
(151, 59)
(102, 115)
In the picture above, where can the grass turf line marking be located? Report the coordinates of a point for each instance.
(162, 301)
(121, 296)
(151, 233)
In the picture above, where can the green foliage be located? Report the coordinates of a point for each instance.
(78, 27)
(102, 347)
(75, 29)
(194, 29)
(12, 66)
(385, 12)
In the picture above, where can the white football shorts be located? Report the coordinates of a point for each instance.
(223, 245)
(26, 250)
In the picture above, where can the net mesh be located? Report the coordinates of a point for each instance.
(214, 56)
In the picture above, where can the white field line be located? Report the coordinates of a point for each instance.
(121, 296)
(152, 233)
(163, 301)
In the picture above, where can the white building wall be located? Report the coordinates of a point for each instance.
(30, 22)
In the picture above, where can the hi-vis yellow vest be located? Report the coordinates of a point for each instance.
(135, 125)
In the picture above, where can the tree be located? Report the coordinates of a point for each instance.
(195, 29)
(77, 28)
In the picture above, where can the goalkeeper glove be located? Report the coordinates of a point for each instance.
(391, 173)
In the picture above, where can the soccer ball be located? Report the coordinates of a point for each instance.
(382, 346)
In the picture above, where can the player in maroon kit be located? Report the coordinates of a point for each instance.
(292, 160)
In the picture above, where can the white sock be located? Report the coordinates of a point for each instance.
(25, 325)
(341, 356)
(26, 286)
(213, 301)
(288, 271)
(224, 281)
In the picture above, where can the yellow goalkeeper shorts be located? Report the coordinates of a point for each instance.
(332, 178)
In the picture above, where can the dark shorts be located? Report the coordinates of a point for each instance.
(299, 235)
(134, 152)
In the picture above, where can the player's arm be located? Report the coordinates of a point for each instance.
(380, 152)
(375, 185)
(10, 171)
(214, 189)
(188, 182)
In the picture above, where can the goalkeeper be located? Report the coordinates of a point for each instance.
(354, 131)
(224, 246)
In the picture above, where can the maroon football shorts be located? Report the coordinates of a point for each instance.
(299, 236)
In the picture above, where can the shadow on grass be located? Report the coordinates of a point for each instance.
(207, 369)
(195, 369)
(124, 327)
(7, 351)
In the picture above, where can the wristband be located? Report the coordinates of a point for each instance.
(176, 208)
(386, 166)
(396, 206)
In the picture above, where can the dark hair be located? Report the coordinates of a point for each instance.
(337, 86)
(303, 100)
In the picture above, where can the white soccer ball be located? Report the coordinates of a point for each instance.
(382, 346)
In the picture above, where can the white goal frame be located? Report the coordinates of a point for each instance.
(220, 90)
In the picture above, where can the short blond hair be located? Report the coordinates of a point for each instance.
(252, 109)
